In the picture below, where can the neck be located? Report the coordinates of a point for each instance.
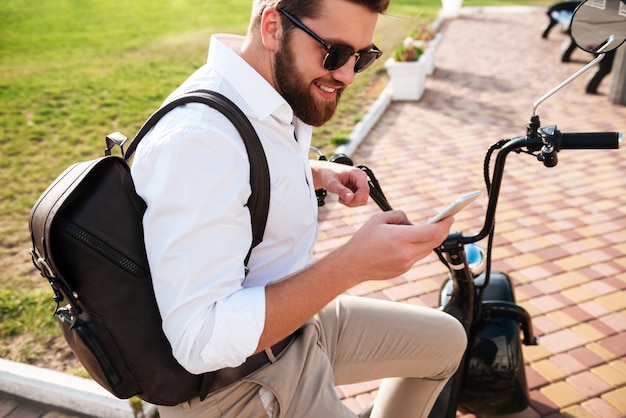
(258, 58)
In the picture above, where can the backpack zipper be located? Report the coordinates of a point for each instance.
(93, 344)
(101, 247)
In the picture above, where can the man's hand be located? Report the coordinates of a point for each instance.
(388, 244)
(349, 183)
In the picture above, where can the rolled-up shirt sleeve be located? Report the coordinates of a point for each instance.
(198, 231)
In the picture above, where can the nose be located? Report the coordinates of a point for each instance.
(346, 73)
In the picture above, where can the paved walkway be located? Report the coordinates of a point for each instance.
(560, 231)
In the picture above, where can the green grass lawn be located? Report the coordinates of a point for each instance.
(72, 72)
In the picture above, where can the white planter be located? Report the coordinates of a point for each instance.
(408, 79)
(450, 8)
(430, 53)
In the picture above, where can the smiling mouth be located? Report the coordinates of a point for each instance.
(326, 90)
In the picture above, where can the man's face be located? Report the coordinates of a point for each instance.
(295, 87)
(312, 91)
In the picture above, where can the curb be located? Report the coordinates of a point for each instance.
(366, 124)
(62, 390)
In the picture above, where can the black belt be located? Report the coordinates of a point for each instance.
(219, 379)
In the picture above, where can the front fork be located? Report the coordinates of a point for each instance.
(475, 301)
(460, 304)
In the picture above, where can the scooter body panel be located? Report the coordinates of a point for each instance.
(494, 382)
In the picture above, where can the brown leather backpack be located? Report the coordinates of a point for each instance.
(88, 242)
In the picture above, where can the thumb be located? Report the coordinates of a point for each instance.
(344, 193)
(396, 217)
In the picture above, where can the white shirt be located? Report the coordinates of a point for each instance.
(192, 170)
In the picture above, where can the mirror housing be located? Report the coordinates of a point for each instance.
(599, 26)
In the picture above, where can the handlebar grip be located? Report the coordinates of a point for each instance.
(591, 140)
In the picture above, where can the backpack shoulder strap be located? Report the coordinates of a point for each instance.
(259, 200)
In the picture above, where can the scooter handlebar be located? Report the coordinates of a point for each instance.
(591, 140)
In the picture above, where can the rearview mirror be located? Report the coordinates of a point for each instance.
(599, 26)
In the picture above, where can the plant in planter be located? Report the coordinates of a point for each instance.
(407, 72)
(424, 32)
(408, 53)
(426, 37)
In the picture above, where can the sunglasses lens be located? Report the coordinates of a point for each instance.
(337, 57)
(366, 59)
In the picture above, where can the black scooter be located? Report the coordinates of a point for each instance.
(491, 379)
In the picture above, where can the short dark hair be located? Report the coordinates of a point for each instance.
(307, 8)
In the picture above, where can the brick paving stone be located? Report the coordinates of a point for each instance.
(403, 292)
(549, 371)
(611, 375)
(591, 274)
(375, 285)
(548, 303)
(615, 281)
(586, 357)
(542, 404)
(617, 399)
(534, 353)
(545, 286)
(16, 407)
(574, 261)
(606, 269)
(613, 302)
(563, 340)
(535, 379)
(588, 332)
(562, 319)
(601, 351)
(600, 408)
(524, 260)
(528, 290)
(563, 394)
(544, 325)
(7, 405)
(588, 384)
(578, 314)
(568, 363)
(429, 285)
(602, 326)
(619, 364)
(599, 287)
(594, 309)
(578, 295)
(616, 344)
(532, 309)
(577, 411)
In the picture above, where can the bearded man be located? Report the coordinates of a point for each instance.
(285, 311)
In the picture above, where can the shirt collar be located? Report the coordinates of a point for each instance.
(262, 98)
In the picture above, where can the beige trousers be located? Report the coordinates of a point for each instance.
(353, 339)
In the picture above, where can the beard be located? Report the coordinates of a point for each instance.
(295, 89)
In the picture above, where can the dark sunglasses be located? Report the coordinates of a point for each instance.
(338, 55)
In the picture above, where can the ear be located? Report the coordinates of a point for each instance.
(271, 29)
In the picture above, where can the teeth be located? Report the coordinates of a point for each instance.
(326, 89)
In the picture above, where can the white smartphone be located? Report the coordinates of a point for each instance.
(455, 206)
